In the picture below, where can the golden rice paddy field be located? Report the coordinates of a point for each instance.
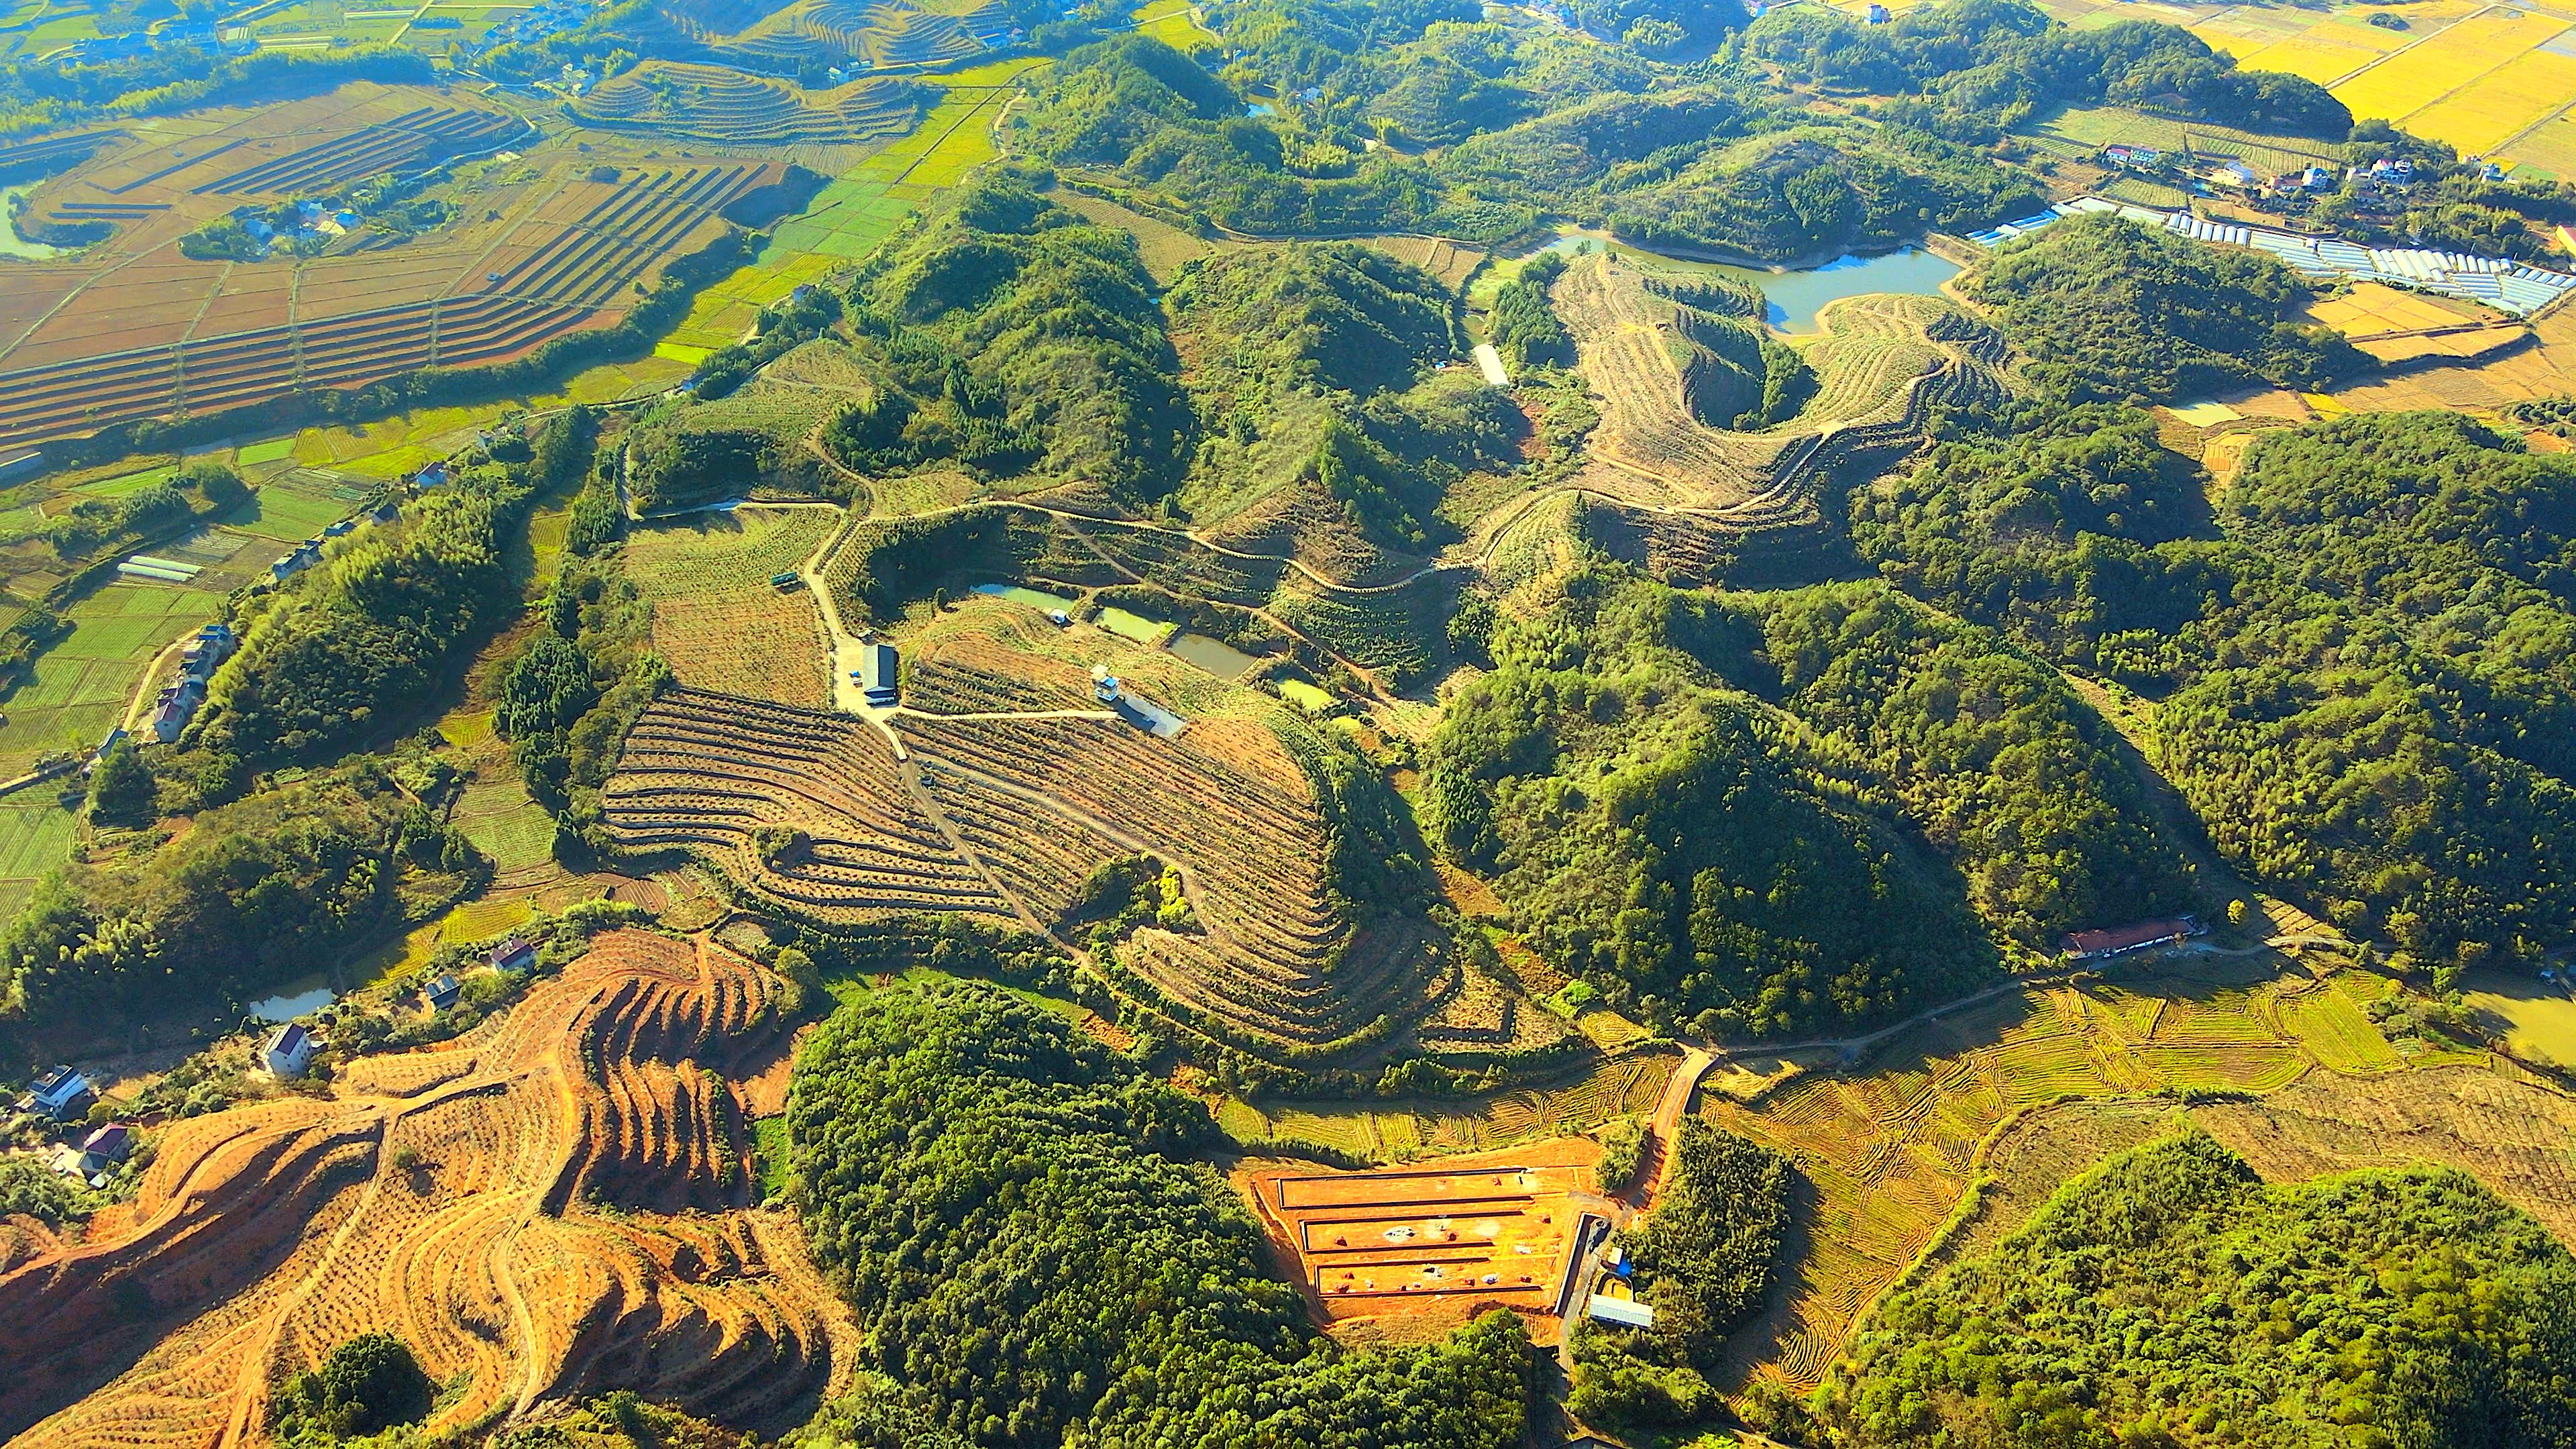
(1890, 1149)
(2491, 79)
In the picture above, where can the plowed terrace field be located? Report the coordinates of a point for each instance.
(1881, 364)
(1006, 814)
(266, 1235)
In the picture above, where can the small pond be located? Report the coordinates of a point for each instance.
(1796, 296)
(1132, 626)
(300, 997)
(12, 244)
(1035, 599)
(1222, 660)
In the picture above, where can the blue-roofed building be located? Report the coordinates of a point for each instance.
(62, 1093)
(879, 674)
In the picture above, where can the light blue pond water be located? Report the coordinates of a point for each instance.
(1797, 296)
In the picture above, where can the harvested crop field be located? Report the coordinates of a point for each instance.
(2509, 1130)
(717, 618)
(267, 1234)
(1890, 1151)
(1425, 1247)
(542, 244)
(1619, 1086)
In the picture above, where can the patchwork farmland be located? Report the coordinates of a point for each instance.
(132, 329)
(556, 1204)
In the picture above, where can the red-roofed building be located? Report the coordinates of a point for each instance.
(2121, 940)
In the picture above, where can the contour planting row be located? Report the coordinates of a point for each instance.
(1040, 855)
(724, 1314)
(703, 769)
(587, 263)
(258, 1232)
(887, 33)
(1215, 991)
(965, 674)
(230, 369)
(370, 151)
(1249, 838)
(727, 105)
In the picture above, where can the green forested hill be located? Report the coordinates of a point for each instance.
(1986, 751)
(1312, 366)
(992, 1193)
(2364, 690)
(1656, 830)
(2169, 1297)
(2107, 308)
(1004, 334)
(1979, 62)
(1652, 120)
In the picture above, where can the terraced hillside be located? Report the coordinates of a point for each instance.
(893, 33)
(454, 1197)
(716, 103)
(1686, 491)
(1006, 811)
(705, 772)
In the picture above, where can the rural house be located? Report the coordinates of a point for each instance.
(62, 1093)
(288, 1051)
(441, 993)
(514, 955)
(96, 1156)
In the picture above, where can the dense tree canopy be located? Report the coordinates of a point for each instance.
(1998, 61)
(1986, 751)
(1704, 1261)
(346, 647)
(1313, 367)
(254, 892)
(1004, 334)
(2168, 1296)
(2107, 308)
(1666, 835)
(2361, 660)
(1009, 1209)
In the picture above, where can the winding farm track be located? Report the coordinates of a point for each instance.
(454, 1195)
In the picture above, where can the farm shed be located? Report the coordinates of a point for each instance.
(1620, 1312)
(2121, 940)
(879, 674)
